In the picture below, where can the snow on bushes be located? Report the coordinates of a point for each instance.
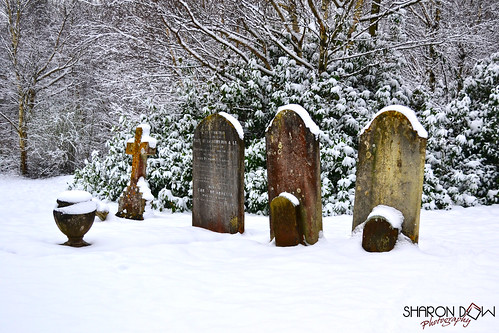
(462, 154)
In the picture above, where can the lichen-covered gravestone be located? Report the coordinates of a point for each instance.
(293, 166)
(218, 175)
(390, 167)
(132, 202)
(285, 215)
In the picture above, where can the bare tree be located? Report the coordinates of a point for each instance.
(41, 44)
(259, 30)
(37, 56)
(462, 32)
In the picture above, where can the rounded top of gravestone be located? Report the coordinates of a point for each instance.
(75, 196)
(221, 118)
(235, 123)
(408, 113)
(298, 109)
(392, 215)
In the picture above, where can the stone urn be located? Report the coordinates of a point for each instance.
(74, 215)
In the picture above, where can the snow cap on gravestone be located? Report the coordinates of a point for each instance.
(305, 116)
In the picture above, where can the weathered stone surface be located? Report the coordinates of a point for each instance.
(74, 219)
(293, 166)
(379, 235)
(131, 204)
(285, 221)
(218, 176)
(390, 170)
(74, 227)
(102, 210)
(102, 214)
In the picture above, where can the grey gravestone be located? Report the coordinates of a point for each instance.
(390, 167)
(218, 175)
(293, 166)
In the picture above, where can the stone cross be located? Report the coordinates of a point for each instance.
(140, 150)
(131, 202)
(218, 174)
(293, 166)
(390, 167)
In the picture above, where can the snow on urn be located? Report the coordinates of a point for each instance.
(293, 166)
(390, 167)
(132, 202)
(74, 216)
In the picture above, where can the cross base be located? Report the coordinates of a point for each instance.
(131, 205)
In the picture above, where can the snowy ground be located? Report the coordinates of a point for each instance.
(162, 275)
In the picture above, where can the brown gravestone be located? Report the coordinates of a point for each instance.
(131, 204)
(390, 167)
(379, 235)
(381, 229)
(285, 215)
(293, 166)
(218, 175)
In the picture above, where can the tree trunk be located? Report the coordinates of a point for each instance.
(357, 13)
(324, 39)
(293, 12)
(23, 139)
(26, 105)
(432, 52)
(373, 24)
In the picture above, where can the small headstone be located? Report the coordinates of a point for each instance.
(285, 215)
(132, 203)
(293, 166)
(218, 175)
(390, 167)
(381, 229)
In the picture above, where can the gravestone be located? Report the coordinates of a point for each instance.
(132, 203)
(285, 215)
(293, 166)
(218, 175)
(381, 229)
(390, 167)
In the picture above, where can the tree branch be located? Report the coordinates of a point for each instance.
(14, 126)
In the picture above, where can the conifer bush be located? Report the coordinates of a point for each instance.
(462, 155)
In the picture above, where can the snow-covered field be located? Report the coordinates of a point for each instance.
(163, 275)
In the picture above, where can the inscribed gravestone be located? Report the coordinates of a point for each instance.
(390, 167)
(218, 174)
(293, 166)
(132, 202)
